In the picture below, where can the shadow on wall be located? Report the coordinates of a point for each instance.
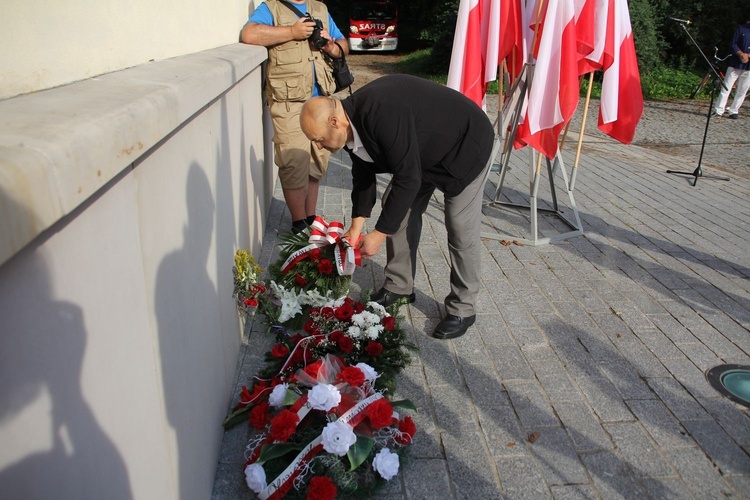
(53, 446)
(187, 327)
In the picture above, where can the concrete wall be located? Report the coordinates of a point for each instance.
(46, 44)
(122, 201)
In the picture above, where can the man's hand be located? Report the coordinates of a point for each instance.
(302, 29)
(355, 231)
(370, 243)
(744, 58)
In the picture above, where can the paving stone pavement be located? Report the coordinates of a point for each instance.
(598, 343)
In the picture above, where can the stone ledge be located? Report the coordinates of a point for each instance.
(58, 147)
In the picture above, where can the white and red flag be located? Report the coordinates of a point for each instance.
(585, 26)
(553, 96)
(603, 43)
(478, 48)
(622, 99)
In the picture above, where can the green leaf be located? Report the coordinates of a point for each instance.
(290, 397)
(404, 403)
(235, 417)
(271, 451)
(360, 450)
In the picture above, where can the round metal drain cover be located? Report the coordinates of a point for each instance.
(733, 381)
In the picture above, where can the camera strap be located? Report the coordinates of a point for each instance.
(293, 8)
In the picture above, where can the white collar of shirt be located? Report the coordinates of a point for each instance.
(356, 146)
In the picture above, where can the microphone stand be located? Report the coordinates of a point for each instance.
(698, 172)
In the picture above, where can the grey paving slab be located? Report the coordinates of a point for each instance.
(611, 476)
(639, 451)
(471, 476)
(521, 479)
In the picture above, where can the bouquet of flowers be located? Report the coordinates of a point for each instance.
(310, 261)
(324, 430)
(247, 286)
(359, 335)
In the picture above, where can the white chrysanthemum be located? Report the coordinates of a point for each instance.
(370, 373)
(277, 396)
(373, 331)
(324, 397)
(337, 437)
(255, 477)
(386, 463)
(365, 319)
(379, 310)
(354, 332)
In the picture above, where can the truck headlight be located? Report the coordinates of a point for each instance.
(353, 29)
(390, 29)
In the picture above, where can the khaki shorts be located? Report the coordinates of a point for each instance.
(294, 154)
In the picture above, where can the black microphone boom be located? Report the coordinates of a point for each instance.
(683, 21)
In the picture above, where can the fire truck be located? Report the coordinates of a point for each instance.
(373, 26)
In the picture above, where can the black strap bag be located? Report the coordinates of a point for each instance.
(342, 76)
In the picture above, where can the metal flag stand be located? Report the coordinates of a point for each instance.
(508, 115)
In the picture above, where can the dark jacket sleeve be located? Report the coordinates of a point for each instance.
(396, 136)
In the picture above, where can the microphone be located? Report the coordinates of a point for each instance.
(683, 21)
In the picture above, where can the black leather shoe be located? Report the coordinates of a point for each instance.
(386, 298)
(453, 326)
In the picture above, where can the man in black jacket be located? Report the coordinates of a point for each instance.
(428, 137)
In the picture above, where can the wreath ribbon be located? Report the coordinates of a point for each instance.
(323, 234)
(281, 485)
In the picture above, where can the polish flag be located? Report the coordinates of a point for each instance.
(472, 67)
(512, 43)
(478, 47)
(621, 104)
(553, 96)
(603, 50)
(585, 27)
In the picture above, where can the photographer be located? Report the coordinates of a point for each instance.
(295, 72)
(738, 71)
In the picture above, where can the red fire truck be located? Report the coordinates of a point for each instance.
(373, 25)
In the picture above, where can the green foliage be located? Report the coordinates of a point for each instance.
(439, 33)
(649, 43)
(667, 83)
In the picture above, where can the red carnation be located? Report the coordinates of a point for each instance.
(259, 416)
(389, 323)
(313, 368)
(251, 302)
(408, 429)
(344, 312)
(327, 312)
(346, 344)
(314, 311)
(352, 376)
(311, 328)
(280, 351)
(247, 397)
(321, 488)
(358, 307)
(294, 339)
(335, 336)
(374, 348)
(325, 266)
(283, 425)
(315, 255)
(380, 413)
(299, 280)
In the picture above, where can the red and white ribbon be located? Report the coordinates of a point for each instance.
(323, 234)
(281, 485)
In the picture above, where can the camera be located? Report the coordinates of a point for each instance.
(318, 41)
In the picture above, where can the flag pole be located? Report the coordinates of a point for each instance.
(580, 135)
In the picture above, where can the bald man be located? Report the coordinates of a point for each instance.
(428, 137)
